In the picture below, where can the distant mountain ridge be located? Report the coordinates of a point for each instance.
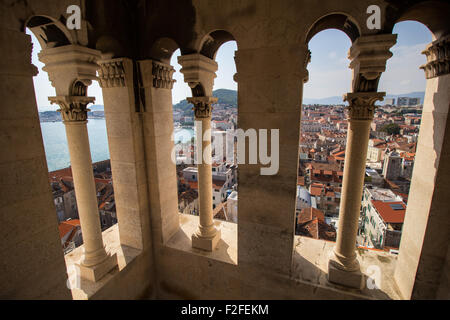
(52, 115)
(338, 100)
(229, 97)
(96, 107)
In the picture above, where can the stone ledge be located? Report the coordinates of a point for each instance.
(84, 289)
(226, 250)
(310, 264)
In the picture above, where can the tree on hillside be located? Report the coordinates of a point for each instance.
(391, 128)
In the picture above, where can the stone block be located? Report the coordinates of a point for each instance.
(352, 279)
(95, 273)
(207, 244)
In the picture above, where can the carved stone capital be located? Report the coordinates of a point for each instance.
(202, 106)
(362, 104)
(111, 73)
(305, 65)
(73, 108)
(70, 64)
(162, 75)
(199, 73)
(368, 56)
(438, 58)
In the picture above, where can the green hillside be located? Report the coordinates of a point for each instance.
(225, 96)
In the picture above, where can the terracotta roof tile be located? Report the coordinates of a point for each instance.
(388, 214)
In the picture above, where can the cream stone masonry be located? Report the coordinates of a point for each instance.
(269, 95)
(71, 69)
(199, 72)
(158, 145)
(369, 56)
(126, 148)
(207, 235)
(307, 61)
(111, 73)
(162, 75)
(438, 58)
(260, 257)
(423, 269)
(69, 64)
(73, 108)
(96, 261)
(32, 261)
(362, 104)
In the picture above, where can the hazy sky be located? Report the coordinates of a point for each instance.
(329, 74)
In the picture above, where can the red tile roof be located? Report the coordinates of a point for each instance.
(218, 184)
(308, 214)
(69, 226)
(193, 185)
(388, 214)
(312, 224)
(315, 191)
(329, 194)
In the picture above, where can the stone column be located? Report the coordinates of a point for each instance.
(71, 70)
(74, 114)
(369, 55)
(199, 73)
(207, 235)
(361, 112)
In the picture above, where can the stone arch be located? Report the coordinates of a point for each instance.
(198, 91)
(211, 43)
(49, 31)
(79, 88)
(433, 14)
(340, 21)
(163, 49)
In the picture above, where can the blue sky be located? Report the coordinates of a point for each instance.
(328, 70)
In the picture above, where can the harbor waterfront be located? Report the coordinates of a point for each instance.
(57, 152)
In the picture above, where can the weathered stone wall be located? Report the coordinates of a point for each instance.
(32, 261)
(272, 56)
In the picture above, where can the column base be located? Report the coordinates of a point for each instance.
(205, 243)
(95, 273)
(352, 279)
